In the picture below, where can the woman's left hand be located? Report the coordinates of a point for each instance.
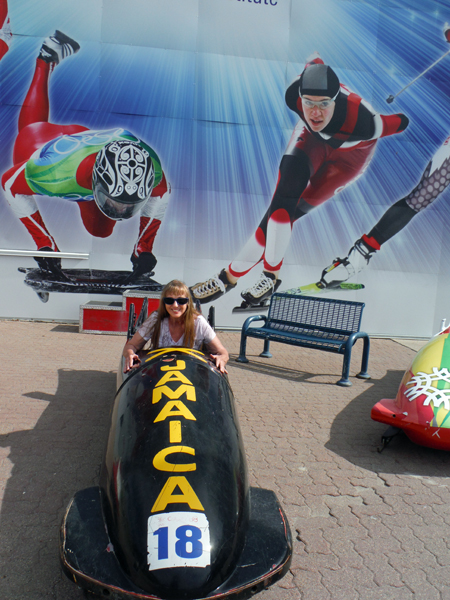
(220, 361)
(219, 354)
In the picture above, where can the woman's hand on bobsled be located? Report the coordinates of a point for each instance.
(220, 361)
(130, 349)
(131, 362)
(219, 354)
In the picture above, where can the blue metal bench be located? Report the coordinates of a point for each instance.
(322, 323)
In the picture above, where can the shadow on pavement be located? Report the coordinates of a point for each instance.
(273, 370)
(52, 461)
(356, 437)
(66, 328)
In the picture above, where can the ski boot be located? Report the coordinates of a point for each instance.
(57, 47)
(341, 269)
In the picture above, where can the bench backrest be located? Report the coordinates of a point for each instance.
(324, 314)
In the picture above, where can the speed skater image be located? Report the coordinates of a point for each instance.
(330, 147)
(111, 174)
(434, 181)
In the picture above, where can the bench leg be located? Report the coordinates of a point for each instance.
(365, 360)
(242, 358)
(265, 353)
(344, 381)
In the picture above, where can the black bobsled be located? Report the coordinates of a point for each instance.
(173, 516)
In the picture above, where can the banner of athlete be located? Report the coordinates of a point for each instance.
(243, 146)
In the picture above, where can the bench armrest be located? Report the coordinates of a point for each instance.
(249, 320)
(356, 336)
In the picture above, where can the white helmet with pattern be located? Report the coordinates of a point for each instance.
(122, 179)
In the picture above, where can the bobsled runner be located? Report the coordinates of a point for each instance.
(422, 406)
(173, 516)
(85, 281)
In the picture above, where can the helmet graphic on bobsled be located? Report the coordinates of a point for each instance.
(422, 405)
(122, 179)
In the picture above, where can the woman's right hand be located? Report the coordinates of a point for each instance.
(131, 361)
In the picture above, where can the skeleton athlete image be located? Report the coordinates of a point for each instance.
(111, 174)
(330, 148)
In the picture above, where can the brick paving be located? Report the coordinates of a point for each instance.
(366, 526)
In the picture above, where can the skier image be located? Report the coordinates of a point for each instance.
(111, 174)
(331, 146)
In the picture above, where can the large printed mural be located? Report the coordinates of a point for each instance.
(241, 146)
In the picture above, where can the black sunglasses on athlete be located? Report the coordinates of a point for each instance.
(179, 301)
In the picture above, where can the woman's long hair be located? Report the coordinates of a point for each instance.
(176, 287)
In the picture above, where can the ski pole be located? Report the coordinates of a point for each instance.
(391, 98)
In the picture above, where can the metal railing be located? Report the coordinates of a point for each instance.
(33, 253)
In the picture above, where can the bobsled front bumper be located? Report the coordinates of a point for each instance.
(88, 557)
(387, 411)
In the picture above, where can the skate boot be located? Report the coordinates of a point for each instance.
(57, 47)
(212, 288)
(343, 269)
(262, 290)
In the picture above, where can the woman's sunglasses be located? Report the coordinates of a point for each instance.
(179, 301)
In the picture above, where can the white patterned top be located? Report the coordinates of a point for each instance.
(203, 331)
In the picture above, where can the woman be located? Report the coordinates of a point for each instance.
(175, 323)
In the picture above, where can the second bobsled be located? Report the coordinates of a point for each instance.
(173, 516)
(422, 405)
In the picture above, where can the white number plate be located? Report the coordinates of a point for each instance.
(178, 539)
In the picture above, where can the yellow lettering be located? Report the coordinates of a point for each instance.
(173, 376)
(180, 366)
(182, 411)
(165, 351)
(187, 496)
(175, 432)
(160, 463)
(158, 392)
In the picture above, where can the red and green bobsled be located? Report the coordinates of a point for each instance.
(422, 405)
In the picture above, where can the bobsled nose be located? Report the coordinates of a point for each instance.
(386, 411)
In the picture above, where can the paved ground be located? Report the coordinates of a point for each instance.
(365, 525)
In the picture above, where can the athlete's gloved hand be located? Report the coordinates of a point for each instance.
(447, 32)
(51, 265)
(142, 265)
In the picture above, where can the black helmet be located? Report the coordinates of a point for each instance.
(122, 179)
(319, 80)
